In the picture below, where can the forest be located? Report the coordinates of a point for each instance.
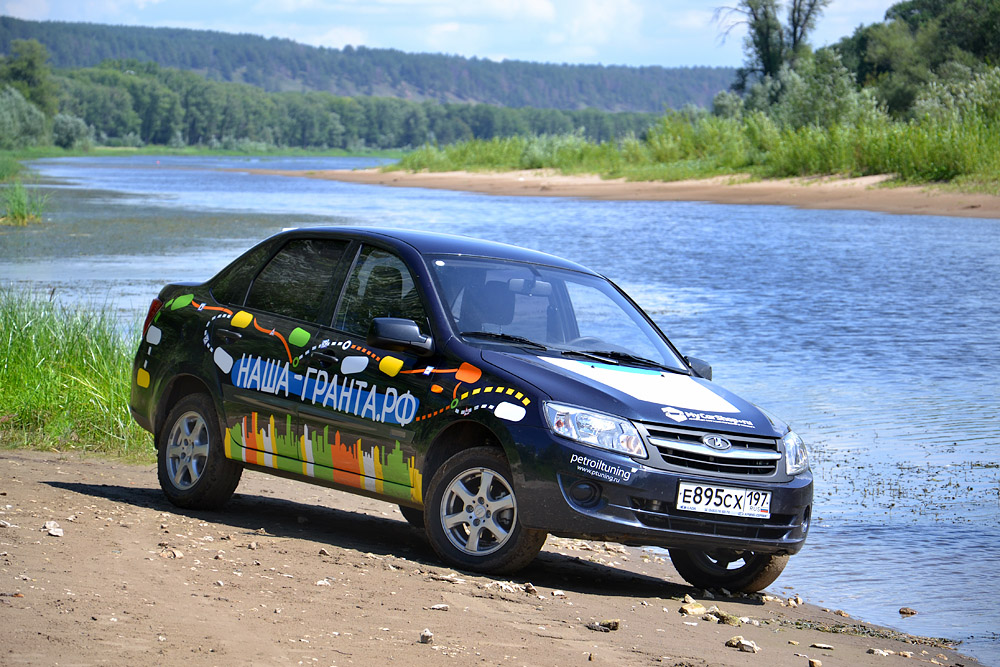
(132, 103)
(277, 65)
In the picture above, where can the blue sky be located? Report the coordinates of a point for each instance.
(671, 33)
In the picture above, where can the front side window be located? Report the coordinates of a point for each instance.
(491, 301)
(380, 285)
(297, 280)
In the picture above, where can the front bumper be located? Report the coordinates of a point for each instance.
(571, 490)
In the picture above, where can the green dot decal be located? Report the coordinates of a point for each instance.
(299, 337)
(182, 301)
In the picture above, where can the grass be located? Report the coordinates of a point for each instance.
(65, 378)
(19, 205)
(963, 153)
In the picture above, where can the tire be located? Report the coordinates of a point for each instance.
(743, 571)
(471, 515)
(414, 517)
(192, 467)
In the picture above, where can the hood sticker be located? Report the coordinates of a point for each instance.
(650, 385)
(720, 420)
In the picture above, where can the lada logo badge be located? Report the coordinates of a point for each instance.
(716, 442)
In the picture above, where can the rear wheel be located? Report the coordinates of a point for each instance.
(743, 571)
(471, 515)
(192, 467)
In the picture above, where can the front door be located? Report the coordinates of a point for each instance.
(360, 414)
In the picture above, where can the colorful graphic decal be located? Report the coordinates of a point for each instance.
(315, 454)
(317, 387)
(338, 391)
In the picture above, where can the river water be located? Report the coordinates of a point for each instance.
(876, 336)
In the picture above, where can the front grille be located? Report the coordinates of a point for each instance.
(659, 515)
(683, 448)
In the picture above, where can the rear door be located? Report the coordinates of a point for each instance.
(260, 347)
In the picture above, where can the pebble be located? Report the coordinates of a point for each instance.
(558, 594)
(440, 607)
(324, 552)
(880, 652)
(53, 529)
(693, 609)
(907, 611)
(821, 647)
(742, 644)
(426, 637)
(815, 663)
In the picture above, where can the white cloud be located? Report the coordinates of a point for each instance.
(514, 10)
(32, 10)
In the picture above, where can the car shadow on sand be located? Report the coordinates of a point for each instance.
(256, 515)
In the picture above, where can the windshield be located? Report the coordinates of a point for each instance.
(566, 312)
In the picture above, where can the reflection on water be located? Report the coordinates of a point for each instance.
(875, 336)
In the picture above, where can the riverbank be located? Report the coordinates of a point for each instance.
(868, 193)
(295, 573)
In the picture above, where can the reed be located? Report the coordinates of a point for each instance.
(65, 376)
(21, 205)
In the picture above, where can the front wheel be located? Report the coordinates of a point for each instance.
(471, 515)
(192, 467)
(743, 571)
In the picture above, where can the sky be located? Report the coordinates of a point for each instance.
(669, 33)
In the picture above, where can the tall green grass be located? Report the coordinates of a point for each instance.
(927, 151)
(9, 168)
(65, 378)
(19, 205)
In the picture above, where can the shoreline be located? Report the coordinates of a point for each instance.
(863, 194)
(290, 572)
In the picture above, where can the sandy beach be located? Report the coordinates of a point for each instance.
(290, 573)
(867, 193)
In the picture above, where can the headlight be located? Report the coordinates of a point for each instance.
(796, 458)
(595, 429)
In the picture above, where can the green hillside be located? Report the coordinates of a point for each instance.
(283, 65)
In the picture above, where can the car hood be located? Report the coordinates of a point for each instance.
(640, 394)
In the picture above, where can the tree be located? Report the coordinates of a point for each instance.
(27, 71)
(769, 45)
(21, 123)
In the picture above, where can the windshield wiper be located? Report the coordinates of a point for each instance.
(507, 338)
(617, 357)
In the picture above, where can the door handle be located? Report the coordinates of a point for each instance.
(325, 359)
(227, 336)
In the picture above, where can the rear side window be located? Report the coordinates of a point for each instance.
(297, 280)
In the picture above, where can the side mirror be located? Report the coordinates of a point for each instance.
(399, 335)
(701, 368)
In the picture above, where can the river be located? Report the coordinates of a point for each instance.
(876, 336)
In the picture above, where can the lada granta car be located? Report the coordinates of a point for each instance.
(496, 394)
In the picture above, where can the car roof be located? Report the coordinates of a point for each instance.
(435, 243)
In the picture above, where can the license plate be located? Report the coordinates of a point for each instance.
(727, 500)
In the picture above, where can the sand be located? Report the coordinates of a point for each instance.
(870, 193)
(290, 573)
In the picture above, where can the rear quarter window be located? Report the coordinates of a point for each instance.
(297, 281)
